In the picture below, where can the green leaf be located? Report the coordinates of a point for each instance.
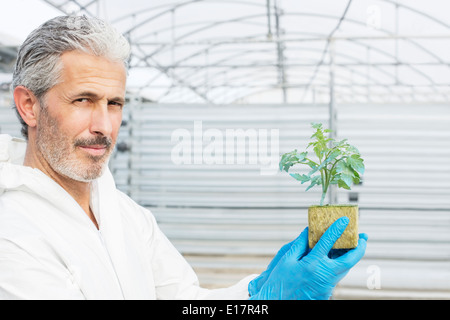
(356, 163)
(312, 165)
(343, 184)
(356, 178)
(351, 149)
(290, 159)
(341, 143)
(315, 181)
(346, 174)
(300, 177)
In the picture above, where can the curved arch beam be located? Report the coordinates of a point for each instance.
(303, 14)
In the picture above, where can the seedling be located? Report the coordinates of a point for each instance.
(335, 163)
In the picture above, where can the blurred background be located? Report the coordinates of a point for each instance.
(377, 72)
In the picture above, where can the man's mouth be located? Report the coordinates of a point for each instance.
(95, 150)
(95, 147)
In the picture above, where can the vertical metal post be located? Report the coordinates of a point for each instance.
(397, 30)
(269, 21)
(368, 92)
(134, 100)
(173, 36)
(332, 190)
(280, 51)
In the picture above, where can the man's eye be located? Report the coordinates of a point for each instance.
(115, 104)
(82, 100)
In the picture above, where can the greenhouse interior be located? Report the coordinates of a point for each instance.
(219, 90)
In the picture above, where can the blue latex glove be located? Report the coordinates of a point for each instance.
(298, 273)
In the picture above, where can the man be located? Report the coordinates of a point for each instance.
(66, 232)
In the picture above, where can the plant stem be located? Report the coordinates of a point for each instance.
(325, 185)
(323, 198)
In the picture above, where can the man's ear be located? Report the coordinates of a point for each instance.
(27, 105)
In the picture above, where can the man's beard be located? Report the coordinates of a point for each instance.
(61, 153)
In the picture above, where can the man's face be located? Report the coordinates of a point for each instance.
(78, 125)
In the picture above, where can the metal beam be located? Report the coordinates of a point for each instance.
(280, 53)
(175, 78)
(63, 7)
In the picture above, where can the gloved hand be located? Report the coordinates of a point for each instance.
(298, 273)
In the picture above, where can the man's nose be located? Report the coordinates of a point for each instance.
(100, 120)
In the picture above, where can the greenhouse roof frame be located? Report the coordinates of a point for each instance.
(285, 52)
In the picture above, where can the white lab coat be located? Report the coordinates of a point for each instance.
(50, 249)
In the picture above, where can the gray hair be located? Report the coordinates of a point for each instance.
(38, 65)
